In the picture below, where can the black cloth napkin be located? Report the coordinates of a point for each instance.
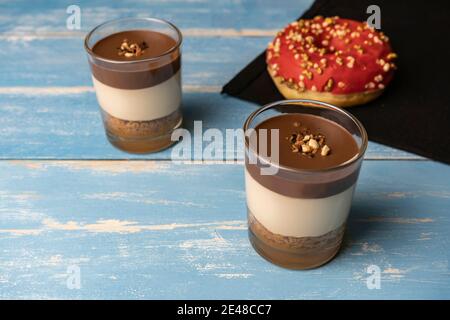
(413, 113)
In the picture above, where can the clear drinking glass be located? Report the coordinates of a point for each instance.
(140, 100)
(315, 202)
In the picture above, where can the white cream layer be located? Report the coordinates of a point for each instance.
(140, 104)
(297, 217)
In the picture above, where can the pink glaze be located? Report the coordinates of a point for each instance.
(313, 48)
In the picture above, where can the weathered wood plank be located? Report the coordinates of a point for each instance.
(63, 62)
(139, 230)
(68, 126)
(43, 16)
(204, 70)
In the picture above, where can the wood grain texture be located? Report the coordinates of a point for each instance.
(58, 76)
(139, 230)
(63, 62)
(39, 125)
(42, 16)
(156, 229)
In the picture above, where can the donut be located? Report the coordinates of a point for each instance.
(339, 61)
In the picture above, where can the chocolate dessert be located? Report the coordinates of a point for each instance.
(136, 75)
(303, 128)
(297, 216)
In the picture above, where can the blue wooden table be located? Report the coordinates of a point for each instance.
(80, 219)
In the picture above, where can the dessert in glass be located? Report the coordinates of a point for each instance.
(136, 71)
(302, 160)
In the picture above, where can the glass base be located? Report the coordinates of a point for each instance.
(141, 136)
(292, 252)
(290, 260)
(141, 146)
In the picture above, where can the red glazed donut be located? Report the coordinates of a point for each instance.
(339, 61)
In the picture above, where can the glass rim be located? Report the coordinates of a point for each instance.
(168, 23)
(364, 137)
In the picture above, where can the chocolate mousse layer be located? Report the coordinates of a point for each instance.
(318, 178)
(142, 72)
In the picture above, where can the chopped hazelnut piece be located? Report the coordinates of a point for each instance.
(391, 56)
(378, 78)
(313, 144)
(306, 148)
(307, 143)
(325, 150)
(131, 50)
(329, 85)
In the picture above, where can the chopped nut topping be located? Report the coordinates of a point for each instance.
(313, 143)
(308, 144)
(308, 74)
(329, 85)
(381, 62)
(376, 39)
(370, 85)
(306, 148)
(391, 56)
(350, 62)
(301, 86)
(378, 78)
(131, 50)
(325, 150)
